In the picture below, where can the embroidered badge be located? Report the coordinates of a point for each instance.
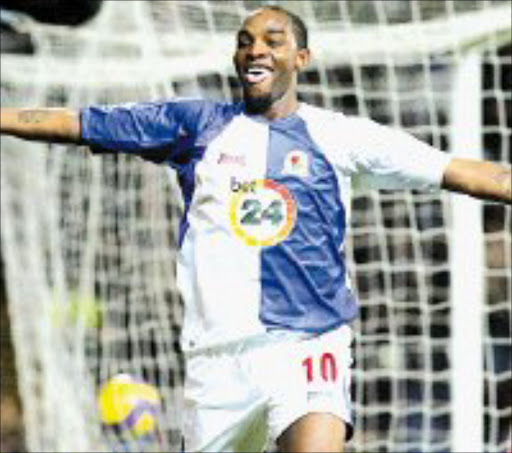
(296, 163)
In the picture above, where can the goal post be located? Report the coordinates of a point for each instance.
(466, 264)
(89, 243)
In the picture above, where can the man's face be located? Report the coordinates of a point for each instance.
(267, 59)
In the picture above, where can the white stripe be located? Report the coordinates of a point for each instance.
(218, 275)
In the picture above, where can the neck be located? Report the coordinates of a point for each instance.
(283, 107)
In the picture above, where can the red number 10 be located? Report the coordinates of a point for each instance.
(328, 368)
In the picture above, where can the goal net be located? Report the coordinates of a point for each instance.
(89, 243)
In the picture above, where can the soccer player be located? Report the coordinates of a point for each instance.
(266, 185)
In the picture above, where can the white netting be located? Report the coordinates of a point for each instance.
(89, 242)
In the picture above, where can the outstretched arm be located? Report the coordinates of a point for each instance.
(46, 124)
(481, 179)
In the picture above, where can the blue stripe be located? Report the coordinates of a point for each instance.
(303, 277)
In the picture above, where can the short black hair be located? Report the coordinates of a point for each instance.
(299, 27)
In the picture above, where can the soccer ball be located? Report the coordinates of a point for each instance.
(129, 407)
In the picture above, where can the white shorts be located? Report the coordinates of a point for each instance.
(242, 397)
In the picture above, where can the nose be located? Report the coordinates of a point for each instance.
(257, 49)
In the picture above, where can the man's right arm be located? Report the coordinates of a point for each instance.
(58, 125)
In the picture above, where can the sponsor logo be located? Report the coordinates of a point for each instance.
(296, 163)
(231, 159)
(262, 212)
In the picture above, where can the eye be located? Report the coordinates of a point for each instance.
(275, 39)
(244, 41)
(275, 43)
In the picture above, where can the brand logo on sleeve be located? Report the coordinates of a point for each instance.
(296, 163)
(262, 212)
(231, 159)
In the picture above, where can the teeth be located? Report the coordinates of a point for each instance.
(257, 74)
(257, 70)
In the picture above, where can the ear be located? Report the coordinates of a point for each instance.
(302, 59)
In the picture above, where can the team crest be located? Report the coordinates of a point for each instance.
(296, 163)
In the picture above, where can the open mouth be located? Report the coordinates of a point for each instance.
(257, 74)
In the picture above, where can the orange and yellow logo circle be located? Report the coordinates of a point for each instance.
(262, 212)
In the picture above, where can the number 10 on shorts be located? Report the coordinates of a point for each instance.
(322, 368)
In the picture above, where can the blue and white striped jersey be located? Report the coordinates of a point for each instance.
(266, 206)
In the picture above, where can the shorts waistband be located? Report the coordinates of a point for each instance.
(275, 336)
(248, 343)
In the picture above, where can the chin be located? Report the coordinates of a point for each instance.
(257, 105)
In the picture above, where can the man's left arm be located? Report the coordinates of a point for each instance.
(481, 179)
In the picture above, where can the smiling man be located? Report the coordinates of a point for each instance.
(266, 185)
(272, 49)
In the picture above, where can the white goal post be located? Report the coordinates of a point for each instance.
(89, 243)
(467, 288)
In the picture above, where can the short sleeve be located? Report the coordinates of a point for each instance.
(381, 157)
(143, 126)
